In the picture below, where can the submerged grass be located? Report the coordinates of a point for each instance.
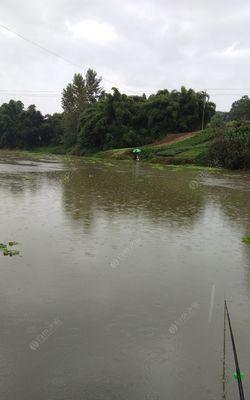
(246, 239)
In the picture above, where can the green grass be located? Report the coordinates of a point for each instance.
(173, 151)
(201, 139)
(49, 150)
(191, 150)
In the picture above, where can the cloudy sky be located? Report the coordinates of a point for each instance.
(138, 46)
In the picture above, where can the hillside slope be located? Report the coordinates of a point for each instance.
(173, 137)
(183, 148)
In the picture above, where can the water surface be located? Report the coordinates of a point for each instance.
(123, 272)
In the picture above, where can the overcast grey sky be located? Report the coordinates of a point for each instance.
(138, 46)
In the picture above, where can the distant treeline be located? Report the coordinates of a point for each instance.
(28, 128)
(92, 119)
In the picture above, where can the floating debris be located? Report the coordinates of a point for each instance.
(13, 244)
(5, 248)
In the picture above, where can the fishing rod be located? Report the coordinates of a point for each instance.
(238, 373)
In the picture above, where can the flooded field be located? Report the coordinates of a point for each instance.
(118, 290)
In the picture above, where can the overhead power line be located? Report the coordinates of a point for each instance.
(228, 89)
(29, 91)
(127, 89)
(53, 53)
(59, 56)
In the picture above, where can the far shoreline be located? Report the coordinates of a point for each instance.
(50, 153)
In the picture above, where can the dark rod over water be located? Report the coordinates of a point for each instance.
(241, 392)
(224, 355)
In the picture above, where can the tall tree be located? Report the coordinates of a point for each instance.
(93, 88)
(76, 98)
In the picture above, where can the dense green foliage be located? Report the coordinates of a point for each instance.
(20, 128)
(77, 97)
(118, 120)
(231, 146)
(240, 110)
(227, 146)
(94, 120)
(219, 119)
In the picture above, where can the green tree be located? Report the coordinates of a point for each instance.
(76, 98)
(20, 128)
(240, 109)
(12, 122)
(219, 119)
(31, 132)
(118, 120)
(93, 88)
(74, 101)
(52, 130)
(231, 147)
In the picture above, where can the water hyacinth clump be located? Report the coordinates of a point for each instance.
(7, 250)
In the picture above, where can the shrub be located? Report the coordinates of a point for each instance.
(231, 149)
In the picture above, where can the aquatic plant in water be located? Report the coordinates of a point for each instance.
(246, 240)
(7, 251)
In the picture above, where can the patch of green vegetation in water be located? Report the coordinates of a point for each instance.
(246, 239)
(157, 166)
(7, 250)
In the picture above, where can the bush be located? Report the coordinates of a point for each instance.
(231, 149)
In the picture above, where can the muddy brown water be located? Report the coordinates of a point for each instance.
(119, 287)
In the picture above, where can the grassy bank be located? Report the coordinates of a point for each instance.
(179, 149)
(182, 151)
(33, 154)
(192, 150)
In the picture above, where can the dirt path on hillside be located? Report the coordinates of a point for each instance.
(174, 137)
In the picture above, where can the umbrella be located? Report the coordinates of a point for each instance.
(136, 150)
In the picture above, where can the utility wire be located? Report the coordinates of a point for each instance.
(53, 53)
(228, 89)
(29, 91)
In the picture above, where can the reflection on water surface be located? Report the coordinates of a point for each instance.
(126, 329)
